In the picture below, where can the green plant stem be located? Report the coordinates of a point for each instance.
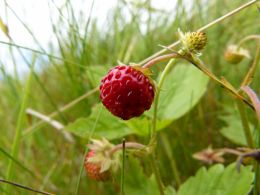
(156, 101)
(153, 140)
(256, 166)
(216, 21)
(224, 83)
(200, 65)
(173, 163)
(20, 121)
(157, 174)
(245, 124)
(128, 145)
(161, 59)
(251, 72)
(250, 37)
(256, 180)
(17, 162)
(85, 153)
(80, 172)
(123, 168)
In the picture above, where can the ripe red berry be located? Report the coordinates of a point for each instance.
(126, 92)
(93, 169)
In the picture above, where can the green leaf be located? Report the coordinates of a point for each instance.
(99, 124)
(138, 183)
(181, 91)
(219, 180)
(141, 126)
(234, 130)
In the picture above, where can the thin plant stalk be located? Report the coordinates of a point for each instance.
(17, 162)
(123, 169)
(251, 72)
(80, 172)
(24, 187)
(167, 146)
(256, 165)
(128, 145)
(153, 140)
(216, 21)
(64, 108)
(156, 101)
(85, 153)
(250, 37)
(200, 65)
(11, 44)
(157, 174)
(256, 180)
(224, 83)
(245, 124)
(20, 121)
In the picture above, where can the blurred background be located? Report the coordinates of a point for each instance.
(73, 43)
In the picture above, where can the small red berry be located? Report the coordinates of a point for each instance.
(126, 92)
(93, 169)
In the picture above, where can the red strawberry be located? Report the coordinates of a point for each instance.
(93, 169)
(126, 92)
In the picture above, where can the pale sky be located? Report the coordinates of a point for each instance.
(36, 15)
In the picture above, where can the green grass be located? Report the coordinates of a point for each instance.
(66, 75)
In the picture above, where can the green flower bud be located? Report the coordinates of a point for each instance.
(193, 41)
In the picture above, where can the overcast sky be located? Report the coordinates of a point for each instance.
(36, 15)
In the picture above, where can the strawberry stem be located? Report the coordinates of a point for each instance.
(247, 38)
(127, 145)
(161, 59)
(153, 140)
(156, 101)
(123, 168)
(157, 174)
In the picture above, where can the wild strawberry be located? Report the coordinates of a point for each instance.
(126, 92)
(99, 162)
(93, 169)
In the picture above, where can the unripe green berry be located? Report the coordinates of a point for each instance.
(196, 40)
(193, 41)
